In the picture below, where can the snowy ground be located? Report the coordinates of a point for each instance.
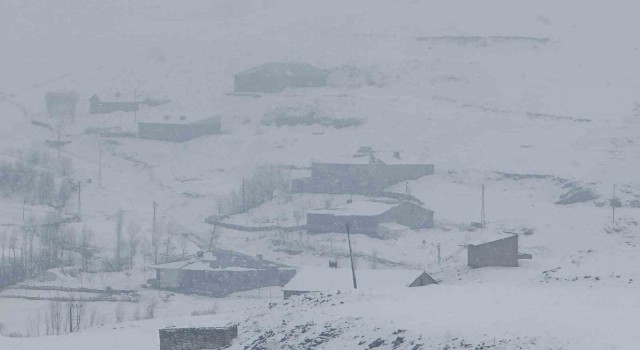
(483, 91)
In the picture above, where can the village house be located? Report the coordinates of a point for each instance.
(493, 250)
(220, 272)
(366, 173)
(277, 76)
(97, 106)
(176, 124)
(310, 280)
(369, 217)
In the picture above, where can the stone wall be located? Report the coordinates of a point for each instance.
(197, 338)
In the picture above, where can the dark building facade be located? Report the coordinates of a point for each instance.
(219, 273)
(277, 76)
(365, 217)
(97, 106)
(197, 338)
(366, 179)
(179, 132)
(500, 252)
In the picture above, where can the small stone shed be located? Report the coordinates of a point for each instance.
(197, 338)
(493, 250)
(219, 273)
(367, 217)
(277, 76)
(313, 279)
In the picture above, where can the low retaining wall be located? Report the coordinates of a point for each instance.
(197, 338)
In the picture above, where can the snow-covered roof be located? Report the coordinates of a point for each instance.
(220, 260)
(284, 68)
(378, 157)
(479, 237)
(369, 207)
(315, 279)
(176, 113)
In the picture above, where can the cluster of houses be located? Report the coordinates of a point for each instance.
(179, 124)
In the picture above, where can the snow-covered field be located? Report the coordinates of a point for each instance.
(531, 100)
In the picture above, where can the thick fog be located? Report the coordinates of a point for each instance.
(298, 174)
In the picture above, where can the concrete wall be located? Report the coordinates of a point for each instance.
(221, 283)
(503, 252)
(178, 132)
(367, 179)
(256, 82)
(197, 338)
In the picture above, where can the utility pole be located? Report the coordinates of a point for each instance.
(79, 199)
(613, 205)
(154, 238)
(100, 167)
(482, 212)
(58, 142)
(438, 246)
(24, 203)
(353, 270)
(244, 204)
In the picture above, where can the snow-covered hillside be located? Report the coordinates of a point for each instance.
(535, 101)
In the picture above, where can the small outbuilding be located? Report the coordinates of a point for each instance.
(368, 217)
(309, 280)
(219, 273)
(498, 250)
(277, 76)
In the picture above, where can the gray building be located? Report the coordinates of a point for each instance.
(219, 273)
(277, 76)
(496, 251)
(97, 106)
(329, 280)
(366, 217)
(178, 129)
(360, 174)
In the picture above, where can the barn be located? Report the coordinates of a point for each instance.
(493, 250)
(360, 174)
(61, 103)
(367, 217)
(277, 76)
(313, 279)
(220, 272)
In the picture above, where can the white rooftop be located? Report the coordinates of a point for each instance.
(480, 237)
(315, 279)
(369, 207)
(385, 157)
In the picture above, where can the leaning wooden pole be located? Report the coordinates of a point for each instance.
(353, 270)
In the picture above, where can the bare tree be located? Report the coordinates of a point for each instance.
(87, 251)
